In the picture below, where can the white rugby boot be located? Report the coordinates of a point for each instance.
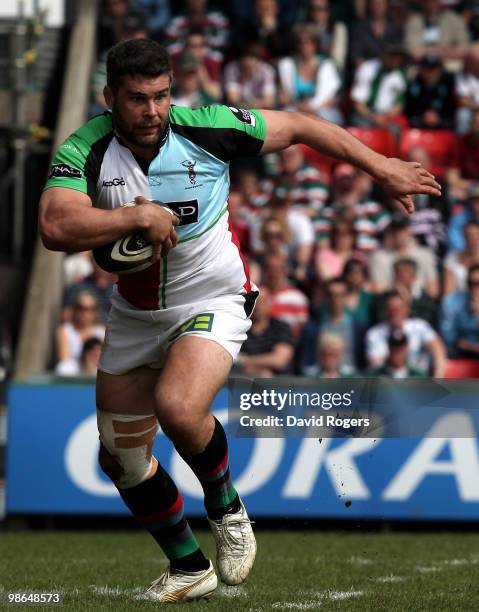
(235, 546)
(175, 585)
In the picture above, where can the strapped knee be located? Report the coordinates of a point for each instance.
(126, 447)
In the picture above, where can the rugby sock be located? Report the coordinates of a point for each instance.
(212, 470)
(157, 505)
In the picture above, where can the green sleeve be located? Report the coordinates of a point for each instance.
(68, 167)
(74, 165)
(224, 131)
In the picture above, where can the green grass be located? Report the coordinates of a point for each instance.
(294, 571)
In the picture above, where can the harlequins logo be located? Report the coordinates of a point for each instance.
(190, 164)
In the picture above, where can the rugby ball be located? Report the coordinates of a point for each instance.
(129, 254)
(124, 256)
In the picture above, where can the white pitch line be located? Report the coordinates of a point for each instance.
(424, 569)
(294, 605)
(231, 591)
(114, 591)
(390, 578)
(360, 561)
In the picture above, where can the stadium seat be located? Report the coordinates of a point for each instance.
(440, 144)
(319, 160)
(462, 368)
(379, 139)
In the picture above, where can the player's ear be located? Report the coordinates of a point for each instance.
(108, 94)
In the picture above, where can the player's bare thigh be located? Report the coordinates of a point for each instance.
(130, 393)
(195, 370)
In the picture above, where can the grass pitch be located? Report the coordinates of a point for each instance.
(295, 570)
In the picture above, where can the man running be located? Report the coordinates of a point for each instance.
(175, 328)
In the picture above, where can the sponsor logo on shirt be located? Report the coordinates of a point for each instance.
(243, 115)
(64, 171)
(115, 182)
(187, 210)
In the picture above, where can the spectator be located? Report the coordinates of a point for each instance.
(213, 23)
(396, 364)
(131, 27)
(455, 236)
(470, 14)
(275, 236)
(268, 349)
(301, 231)
(359, 299)
(404, 282)
(329, 358)
(99, 283)
(457, 263)
(426, 349)
(299, 182)
(157, 14)
(329, 261)
(265, 26)
(90, 357)
(370, 36)
(430, 101)
(76, 267)
(188, 89)
(461, 178)
(437, 31)
(209, 61)
(71, 335)
(467, 91)
(332, 35)
(250, 82)
(428, 222)
(350, 200)
(288, 304)
(309, 82)
(459, 318)
(379, 88)
(400, 243)
(110, 23)
(332, 317)
(256, 194)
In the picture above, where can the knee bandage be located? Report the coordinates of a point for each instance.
(129, 439)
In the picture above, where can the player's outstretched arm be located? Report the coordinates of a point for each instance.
(68, 222)
(401, 179)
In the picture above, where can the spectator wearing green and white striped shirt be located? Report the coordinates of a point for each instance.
(350, 201)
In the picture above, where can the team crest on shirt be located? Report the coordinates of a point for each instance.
(190, 164)
(243, 115)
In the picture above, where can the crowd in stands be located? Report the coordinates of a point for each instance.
(349, 284)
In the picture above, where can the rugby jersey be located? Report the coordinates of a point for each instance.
(190, 175)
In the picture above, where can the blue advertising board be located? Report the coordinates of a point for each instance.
(52, 467)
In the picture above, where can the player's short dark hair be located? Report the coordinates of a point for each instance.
(141, 56)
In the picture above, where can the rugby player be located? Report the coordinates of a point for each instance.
(175, 328)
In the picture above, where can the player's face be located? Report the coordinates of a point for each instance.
(140, 109)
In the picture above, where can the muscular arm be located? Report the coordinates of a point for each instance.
(399, 178)
(68, 221)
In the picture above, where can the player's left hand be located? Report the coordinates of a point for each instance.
(402, 179)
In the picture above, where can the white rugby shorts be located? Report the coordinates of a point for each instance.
(136, 337)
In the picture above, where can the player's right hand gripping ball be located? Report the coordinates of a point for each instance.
(129, 254)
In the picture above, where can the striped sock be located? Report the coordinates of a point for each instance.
(211, 467)
(157, 505)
